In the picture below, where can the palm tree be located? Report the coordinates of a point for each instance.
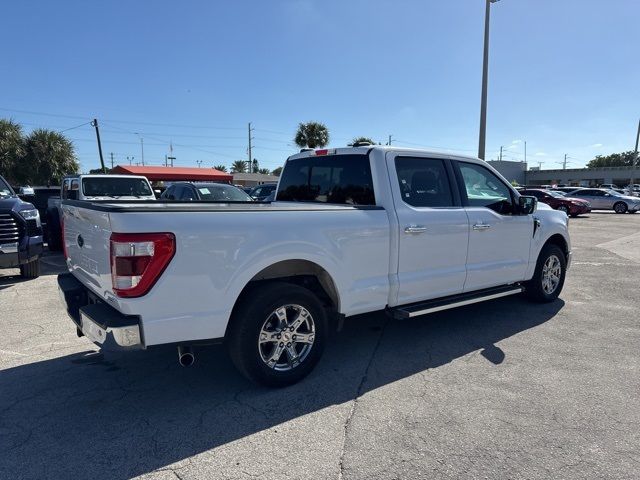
(221, 168)
(362, 140)
(239, 166)
(264, 171)
(312, 135)
(48, 157)
(11, 147)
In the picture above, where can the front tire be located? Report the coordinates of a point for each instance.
(277, 334)
(30, 269)
(620, 207)
(563, 208)
(548, 278)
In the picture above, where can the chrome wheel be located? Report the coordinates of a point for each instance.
(551, 272)
(286, 337)
(620, 207)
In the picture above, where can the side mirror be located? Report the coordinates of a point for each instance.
(527, 204)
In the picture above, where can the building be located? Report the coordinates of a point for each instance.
(579, 177)
(584, 177)
(252, 179)
(175, 174)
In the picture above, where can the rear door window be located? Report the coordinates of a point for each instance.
(338, 179)
(424, 182)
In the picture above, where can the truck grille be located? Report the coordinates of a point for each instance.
(9, 229)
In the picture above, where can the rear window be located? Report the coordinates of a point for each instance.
(341, 179)
(115, 187)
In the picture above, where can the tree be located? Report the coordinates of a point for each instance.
(221, 168)
(48, 157)
(624, 159)
(276, 171)
(264, 171)
(361, 140)
(98, 170)
(239, 166)
(311, 135)
(11, 148)
(254, 166)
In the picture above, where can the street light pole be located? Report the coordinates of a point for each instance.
(485, 74)
(634, 160)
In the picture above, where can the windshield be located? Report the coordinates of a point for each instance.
(556, 194)
(222, 193)
(115, 187)
(5, 189)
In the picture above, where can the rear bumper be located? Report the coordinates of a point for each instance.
(99, 322)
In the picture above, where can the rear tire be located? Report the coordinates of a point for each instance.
(30, 269)
(548, 278)
(261, 341)
(620, 207)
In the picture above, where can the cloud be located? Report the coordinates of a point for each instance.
(595, 145)
(540, 154)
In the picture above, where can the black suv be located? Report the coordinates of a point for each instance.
(20, 233)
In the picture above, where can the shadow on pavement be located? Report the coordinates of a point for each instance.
(93, 416)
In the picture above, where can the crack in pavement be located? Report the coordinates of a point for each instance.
(354, 403)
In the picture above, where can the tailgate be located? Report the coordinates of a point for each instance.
(86, 236)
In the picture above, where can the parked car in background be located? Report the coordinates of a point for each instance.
(604, 199)
(609, 186)
(559, 201)
(260, 192)
(20, 233)
(217, 192)
(93, 187)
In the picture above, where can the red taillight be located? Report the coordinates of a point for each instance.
(322, 152)
(138, 260)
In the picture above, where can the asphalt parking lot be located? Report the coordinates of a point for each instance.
(506, 389)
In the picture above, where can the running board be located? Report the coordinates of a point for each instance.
(453, 301)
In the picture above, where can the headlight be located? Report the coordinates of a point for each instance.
(31, 214)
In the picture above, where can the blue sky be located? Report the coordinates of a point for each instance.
(564, 75)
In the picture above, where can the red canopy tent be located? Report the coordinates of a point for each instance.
(175, 174)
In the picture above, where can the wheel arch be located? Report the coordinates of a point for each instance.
(559, 240)
(302, 272)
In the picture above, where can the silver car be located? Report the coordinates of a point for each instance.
(605, 199)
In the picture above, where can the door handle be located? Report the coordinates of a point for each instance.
(481, 226)
(415, 229)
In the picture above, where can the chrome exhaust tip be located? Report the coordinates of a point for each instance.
(185, 356)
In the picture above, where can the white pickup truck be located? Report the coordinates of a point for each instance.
(352, 230)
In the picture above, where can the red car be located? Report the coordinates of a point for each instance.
(556, 200)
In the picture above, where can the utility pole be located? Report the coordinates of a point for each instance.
(500, 152)
(634, 160)
(111, 160)
(249, 151)
(165, 160)
(564, 164)
(95, 124)
(389, 142)
(525, 152)
(172, 159)
(485, 78)
(130, 159)
(142, 149)
(199, 162)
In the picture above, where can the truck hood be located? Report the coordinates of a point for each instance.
(13, 204)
